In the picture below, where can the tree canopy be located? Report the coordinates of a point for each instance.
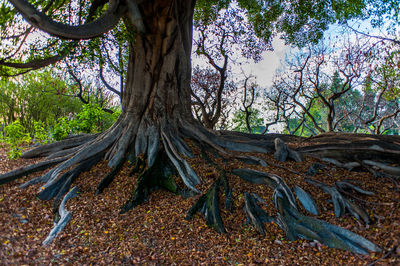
(298, 22)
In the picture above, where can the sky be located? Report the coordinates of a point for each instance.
(272, 60)
(265, 70)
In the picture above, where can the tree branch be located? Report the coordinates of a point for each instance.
(34, 64)
(105, 82)
(87, 31)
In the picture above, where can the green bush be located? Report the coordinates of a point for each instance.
(37, 96)
(61, 129)
(239, 121)
(40, 133)
(88, 120)
(15, 137)
(91, 119)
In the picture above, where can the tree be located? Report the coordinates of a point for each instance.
(211, 97)
(220, 44)
(317, 81)
(247, 118)
(156, 114)
(36, 97)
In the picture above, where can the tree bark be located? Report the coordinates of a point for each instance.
(156, 97)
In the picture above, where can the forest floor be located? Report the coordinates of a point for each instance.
(156, 232)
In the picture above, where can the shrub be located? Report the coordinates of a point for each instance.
(40, 133)
(15, 137)
(61, 129)
(89, 120)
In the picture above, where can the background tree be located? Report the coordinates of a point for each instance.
(323, 88)
(247, 118)
(37, 97)
(211, 99)
(229, 40)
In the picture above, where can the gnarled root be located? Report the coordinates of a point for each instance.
(208, 204)
(297, 226)
(256, 215)
(62, 184)
(30, 169)
(306, 200)
(158, 151)
(342, 204)
(55, 148)
(64, 217)
(283, 152)
(160, 174)
(355, 150)
(110, 176)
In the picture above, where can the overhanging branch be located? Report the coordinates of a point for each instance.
(34, 64)
(87, 31)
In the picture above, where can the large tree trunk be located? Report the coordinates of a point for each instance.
(158, 82)
(156, 113)
(157, 93)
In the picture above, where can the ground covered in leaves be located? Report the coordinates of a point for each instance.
(157, 232)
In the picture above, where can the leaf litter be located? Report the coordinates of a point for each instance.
(156, 232)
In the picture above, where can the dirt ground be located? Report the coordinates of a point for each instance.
(156, 232)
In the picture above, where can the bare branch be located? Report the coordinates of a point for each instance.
(108, 86)
(374, 36)
(77, 80)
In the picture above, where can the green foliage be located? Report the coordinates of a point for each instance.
(37, 96)
(15, 136)
(206, 11)
(40, 133)
(109, 119)
(256, 122)
(39, 103)
(61, 129)
(89, 120)
(15, 133)
(300, 22)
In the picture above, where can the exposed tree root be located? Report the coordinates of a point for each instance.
(251, 160)
(64, 215)
(54, 148)
(393, 171)
(344, 186)
(342, 204)
(62, 184)
(110, 176)
(255, 214)
(160, 174)
(63, 153)
(20, 172)
(315, 168)
(138, 165)
(306, 200)
(349, 166)
(158, 153)
(283, 152)
(273, 181)
(355, 150)
(208, 204)
(297, 226)
(70, 176)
